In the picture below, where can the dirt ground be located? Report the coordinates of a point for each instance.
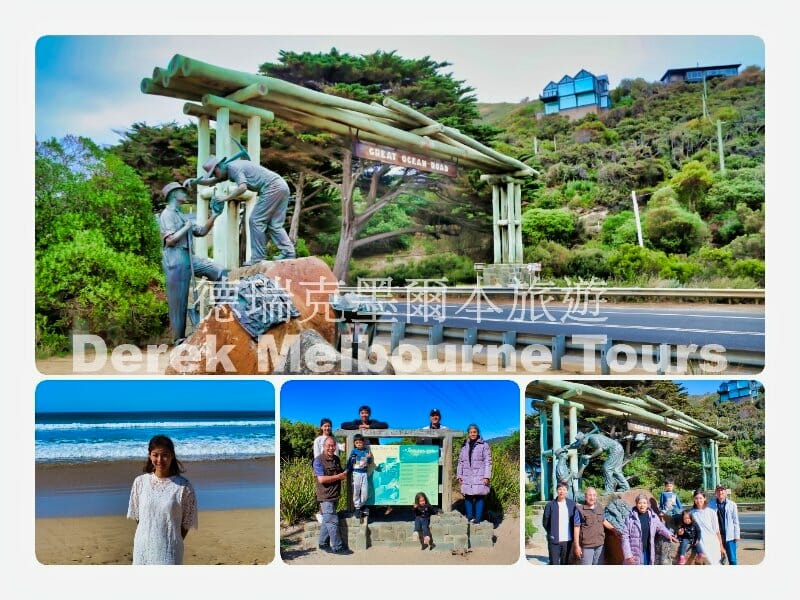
(506, 551)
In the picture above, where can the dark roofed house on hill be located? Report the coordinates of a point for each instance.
(576, 96)
(696, 74)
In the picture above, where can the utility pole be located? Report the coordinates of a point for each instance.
(705, 95)
(636, 216)
(720, 150)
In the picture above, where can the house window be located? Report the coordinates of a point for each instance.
(584, 84)
(567, 102)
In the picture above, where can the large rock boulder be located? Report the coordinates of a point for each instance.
(311, 354)
(220, 345)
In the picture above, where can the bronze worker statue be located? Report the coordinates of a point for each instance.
(615, 481)
(177, 259)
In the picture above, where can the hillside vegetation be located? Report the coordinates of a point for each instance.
(699, 225)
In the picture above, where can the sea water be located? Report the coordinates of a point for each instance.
(76, 438)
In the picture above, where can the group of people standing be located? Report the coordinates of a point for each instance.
(473, 473)
(709, 530)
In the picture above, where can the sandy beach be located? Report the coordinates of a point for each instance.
(81, 507)
(224, 537)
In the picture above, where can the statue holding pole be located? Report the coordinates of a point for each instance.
(615, 481)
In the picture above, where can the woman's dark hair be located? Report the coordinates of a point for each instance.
(322, 422)
(421, 495)
(701, 492)
(163, 442)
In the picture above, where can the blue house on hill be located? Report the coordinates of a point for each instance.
(737, 391)
(576, 96)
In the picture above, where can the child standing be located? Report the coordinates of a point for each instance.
(358, 464)
(422, 519)
(688, 537)
(669, 502)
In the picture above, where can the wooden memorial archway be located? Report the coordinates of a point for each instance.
(235, 100)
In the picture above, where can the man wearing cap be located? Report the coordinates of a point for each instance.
(177, 258)
(269, 212)
(435, 418)
(728, 518)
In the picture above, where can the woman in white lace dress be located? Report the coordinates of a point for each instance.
(164, 506)
(706, 519)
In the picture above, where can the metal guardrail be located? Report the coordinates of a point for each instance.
(435, 333)
(567, 292)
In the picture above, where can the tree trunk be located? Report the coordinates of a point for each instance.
(348, 232)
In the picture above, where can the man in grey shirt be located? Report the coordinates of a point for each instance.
(269, 212)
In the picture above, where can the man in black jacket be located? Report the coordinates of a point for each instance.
(365, 422)
(558, 521)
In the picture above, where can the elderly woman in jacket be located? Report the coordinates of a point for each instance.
(474, 472)
(639, 533)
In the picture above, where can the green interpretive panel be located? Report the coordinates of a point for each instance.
(400, 472)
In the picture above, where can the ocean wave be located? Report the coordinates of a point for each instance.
(77, 426)
(191, 449)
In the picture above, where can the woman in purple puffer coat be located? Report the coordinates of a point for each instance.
(639, 533)
(474, 472)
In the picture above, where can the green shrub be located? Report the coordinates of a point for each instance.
(85, 285)
(680, 270)
(586, 263)
(629, 263)
(663, 196)
(530, 522)
(549, 198)
(752, 489)
(751, 268)
(301, 247)
(674, 230)
(553, 257)
(456, 268)
(730, 467)
(97, 249)
(748, 246)
(692, 183)
(298, 496)
(555, 225)
(297, 440)
(746, 188)
(619, 229)
(504, 492)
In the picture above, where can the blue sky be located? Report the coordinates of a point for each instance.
(492, 405)
(157, 396)
(89, 85)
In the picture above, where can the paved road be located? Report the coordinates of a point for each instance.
(751, 525)
(739, 328)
